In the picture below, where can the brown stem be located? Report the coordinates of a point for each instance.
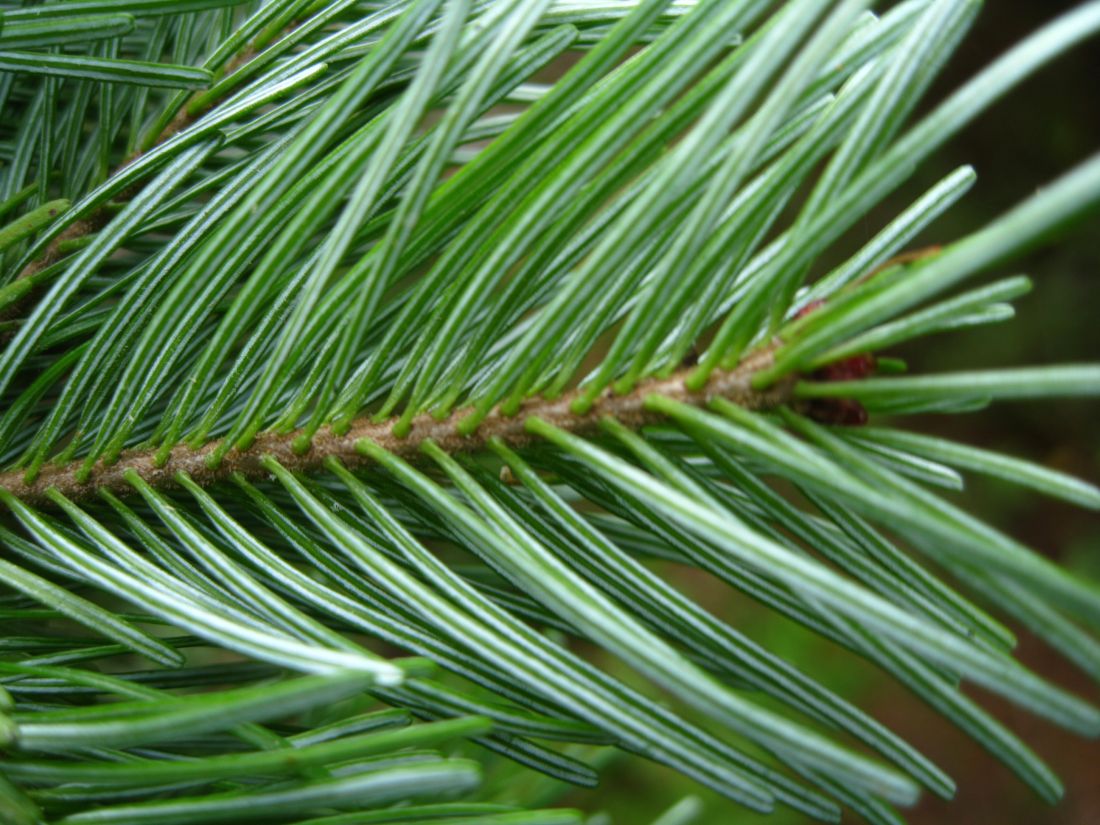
(629, 409)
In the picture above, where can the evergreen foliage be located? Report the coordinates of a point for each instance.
(350, 374)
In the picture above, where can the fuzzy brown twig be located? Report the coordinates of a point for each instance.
(629, 409)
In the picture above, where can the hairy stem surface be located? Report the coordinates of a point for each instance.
(629, 409)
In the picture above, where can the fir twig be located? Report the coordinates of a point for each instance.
(630, 410)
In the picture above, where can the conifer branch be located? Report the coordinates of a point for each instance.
(346, 225)
(629, 409)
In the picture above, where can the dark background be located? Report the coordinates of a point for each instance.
(1037, 133)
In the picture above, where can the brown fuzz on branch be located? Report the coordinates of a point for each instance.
(629, 409)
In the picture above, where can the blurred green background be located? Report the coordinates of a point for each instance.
(1037, 133)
